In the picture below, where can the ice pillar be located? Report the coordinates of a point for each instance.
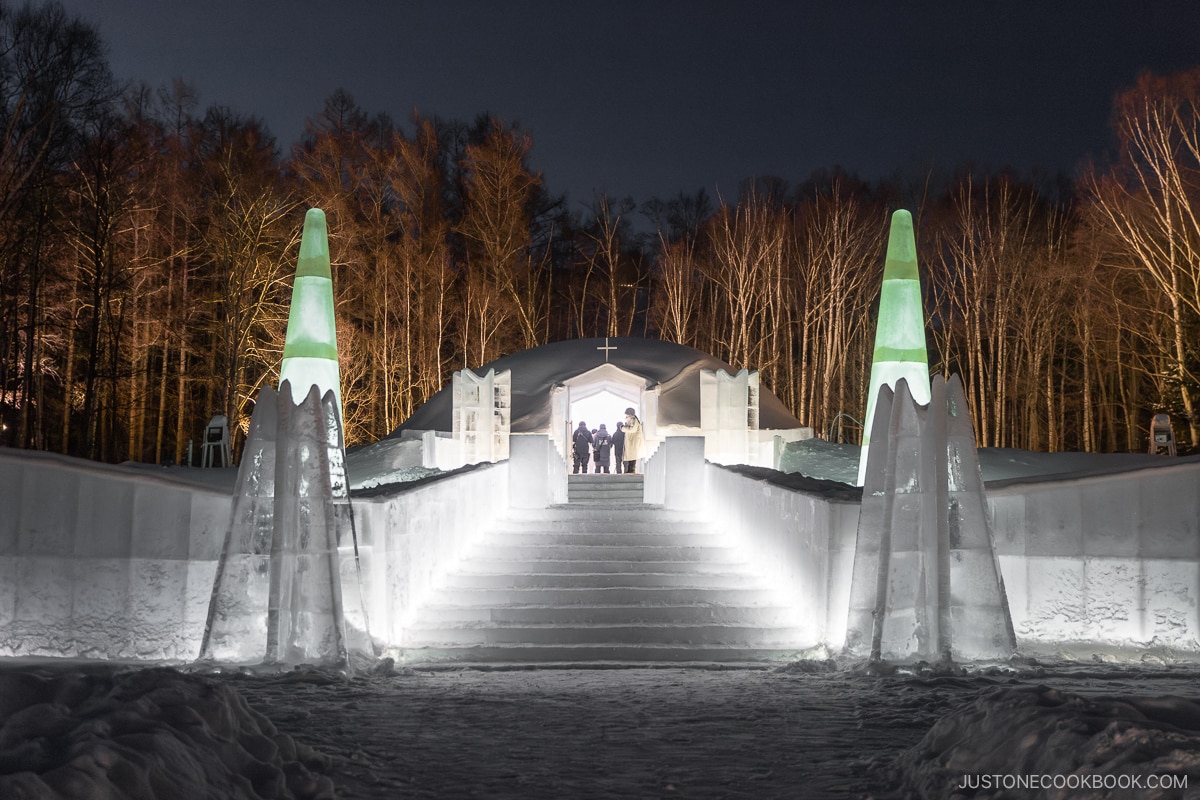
(310, 356)
(729, 416)
(287, 583)
(900, 350)
(926, 584)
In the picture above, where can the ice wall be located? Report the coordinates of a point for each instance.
(729, 416)
(279, 596)
(926, 584)
(803, 541)
(482, 415)
(1106, 561)
(104, 561)
(110, 561)
(409, 539)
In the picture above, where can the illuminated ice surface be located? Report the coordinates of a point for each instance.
(900, 350)
(310, 356)
(280, 595)
(926, 583)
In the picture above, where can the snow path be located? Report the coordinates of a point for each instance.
(802, 730)
(104, 730)
(604, 733)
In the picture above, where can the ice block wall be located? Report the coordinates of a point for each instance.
(1103, 561)
(482, 415)
(804, 541)
(729, 416)
(104, 562)
(410, 539)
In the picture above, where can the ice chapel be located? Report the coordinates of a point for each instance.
(677, 391)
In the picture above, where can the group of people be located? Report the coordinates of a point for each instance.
(598, 445)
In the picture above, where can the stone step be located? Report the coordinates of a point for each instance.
(624, 580)
(600, 653)
(694, 614)
(600, 633)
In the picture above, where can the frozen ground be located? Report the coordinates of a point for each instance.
(805, 730)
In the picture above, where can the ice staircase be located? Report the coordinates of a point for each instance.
(602, 581)
(605, 488)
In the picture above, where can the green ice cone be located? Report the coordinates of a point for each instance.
(310, 354)
(900, 350)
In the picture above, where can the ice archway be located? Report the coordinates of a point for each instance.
(601, 395)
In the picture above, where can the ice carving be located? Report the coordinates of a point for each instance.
(729, 416)
(926, 583)
(279, 595)
(310, 356)
(900, 351)
(482, 415)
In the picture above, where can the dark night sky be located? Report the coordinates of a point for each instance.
(648, 98)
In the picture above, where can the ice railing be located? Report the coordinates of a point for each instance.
(412, 537)
(802, 544)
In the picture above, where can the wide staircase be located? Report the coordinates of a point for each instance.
(602, 579)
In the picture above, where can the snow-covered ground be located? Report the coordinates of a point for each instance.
(809, 730)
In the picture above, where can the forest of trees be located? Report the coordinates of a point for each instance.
(147, 247)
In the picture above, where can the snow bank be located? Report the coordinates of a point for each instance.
(1091, 745)
(149, 734)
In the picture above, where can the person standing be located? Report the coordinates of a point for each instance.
(618, 443)
(633, 441)
(601, 441)
(582, 440)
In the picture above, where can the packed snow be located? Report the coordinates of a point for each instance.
(810, 729)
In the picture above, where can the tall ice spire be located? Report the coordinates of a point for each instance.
(310, 356)
(900, 350)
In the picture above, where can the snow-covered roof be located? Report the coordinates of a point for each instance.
(675, 367)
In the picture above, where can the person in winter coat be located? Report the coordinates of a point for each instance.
(633, 440)
(618, 443)
(582, 439)
(601, 442)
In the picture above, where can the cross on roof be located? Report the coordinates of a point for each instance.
(606, 348)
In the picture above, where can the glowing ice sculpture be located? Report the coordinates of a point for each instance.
(310, 355)
(278, 595)
(926, 584)
(482, 415)
(900, 350)
(729, 416)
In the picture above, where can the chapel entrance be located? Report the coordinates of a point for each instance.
(600, 395)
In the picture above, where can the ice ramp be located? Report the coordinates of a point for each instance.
(603, 582)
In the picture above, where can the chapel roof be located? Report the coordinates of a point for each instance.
(536, 371)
